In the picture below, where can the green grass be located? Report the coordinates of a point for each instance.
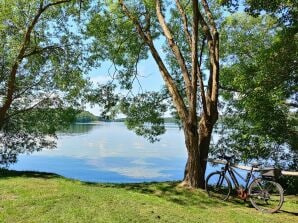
(41, 197)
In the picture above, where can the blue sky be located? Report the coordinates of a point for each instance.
(149, 78)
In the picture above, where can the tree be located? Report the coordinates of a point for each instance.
(285, 10)
(124, 32)
(259, 81)
(86, 116)
(41, 73)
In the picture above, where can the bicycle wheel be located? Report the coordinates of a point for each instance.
(265, 195)
(218, 185)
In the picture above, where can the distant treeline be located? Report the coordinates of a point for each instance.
(85, 117)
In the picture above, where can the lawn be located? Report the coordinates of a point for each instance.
(42, 197)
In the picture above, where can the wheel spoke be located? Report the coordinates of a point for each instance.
(266, 195)
(218, 186)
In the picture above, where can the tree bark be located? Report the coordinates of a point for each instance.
(197, 141)
(192, 170)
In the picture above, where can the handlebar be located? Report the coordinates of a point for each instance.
(225, 157)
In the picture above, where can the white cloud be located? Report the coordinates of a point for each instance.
(111, 147)
(100, 79)
(139, 172)
(135, 169)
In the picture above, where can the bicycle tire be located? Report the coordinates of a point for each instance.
(266, 195)
(218, 185)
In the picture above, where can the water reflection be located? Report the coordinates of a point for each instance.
(79, 128)
(108, 152)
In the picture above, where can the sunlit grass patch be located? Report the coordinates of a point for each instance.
(41, 197)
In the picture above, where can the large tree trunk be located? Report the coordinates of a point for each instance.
(197, 141)
(191, 174)
(197, 135)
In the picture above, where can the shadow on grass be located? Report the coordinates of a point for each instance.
(289, 212)
(234, 199)
(170, 191)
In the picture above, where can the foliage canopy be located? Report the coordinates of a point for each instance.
(41, 73)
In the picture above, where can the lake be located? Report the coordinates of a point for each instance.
(109, 152)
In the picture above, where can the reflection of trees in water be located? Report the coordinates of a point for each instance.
(79, 128)
(13, 144)
(19, 142)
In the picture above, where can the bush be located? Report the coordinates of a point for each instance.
(289, 184)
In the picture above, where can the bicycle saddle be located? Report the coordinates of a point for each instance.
(226, 157)
(256, 164)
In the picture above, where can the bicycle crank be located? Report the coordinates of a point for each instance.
(242, 194)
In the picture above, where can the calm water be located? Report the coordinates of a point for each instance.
(108, 152)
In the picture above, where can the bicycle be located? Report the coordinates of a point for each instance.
(263, 192)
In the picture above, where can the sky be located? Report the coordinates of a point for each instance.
(149, 78)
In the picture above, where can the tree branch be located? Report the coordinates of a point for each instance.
(228, 89)
(205, 27)
(12, 76)
(185, 21)
(213, 46)
(194, 62)
(27, 109)
(200, 75)
(38, 51)
(170, 83)
(54, 3)
(209, 15)
(175, 49)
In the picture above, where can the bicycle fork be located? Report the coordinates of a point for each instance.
(220, 180)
